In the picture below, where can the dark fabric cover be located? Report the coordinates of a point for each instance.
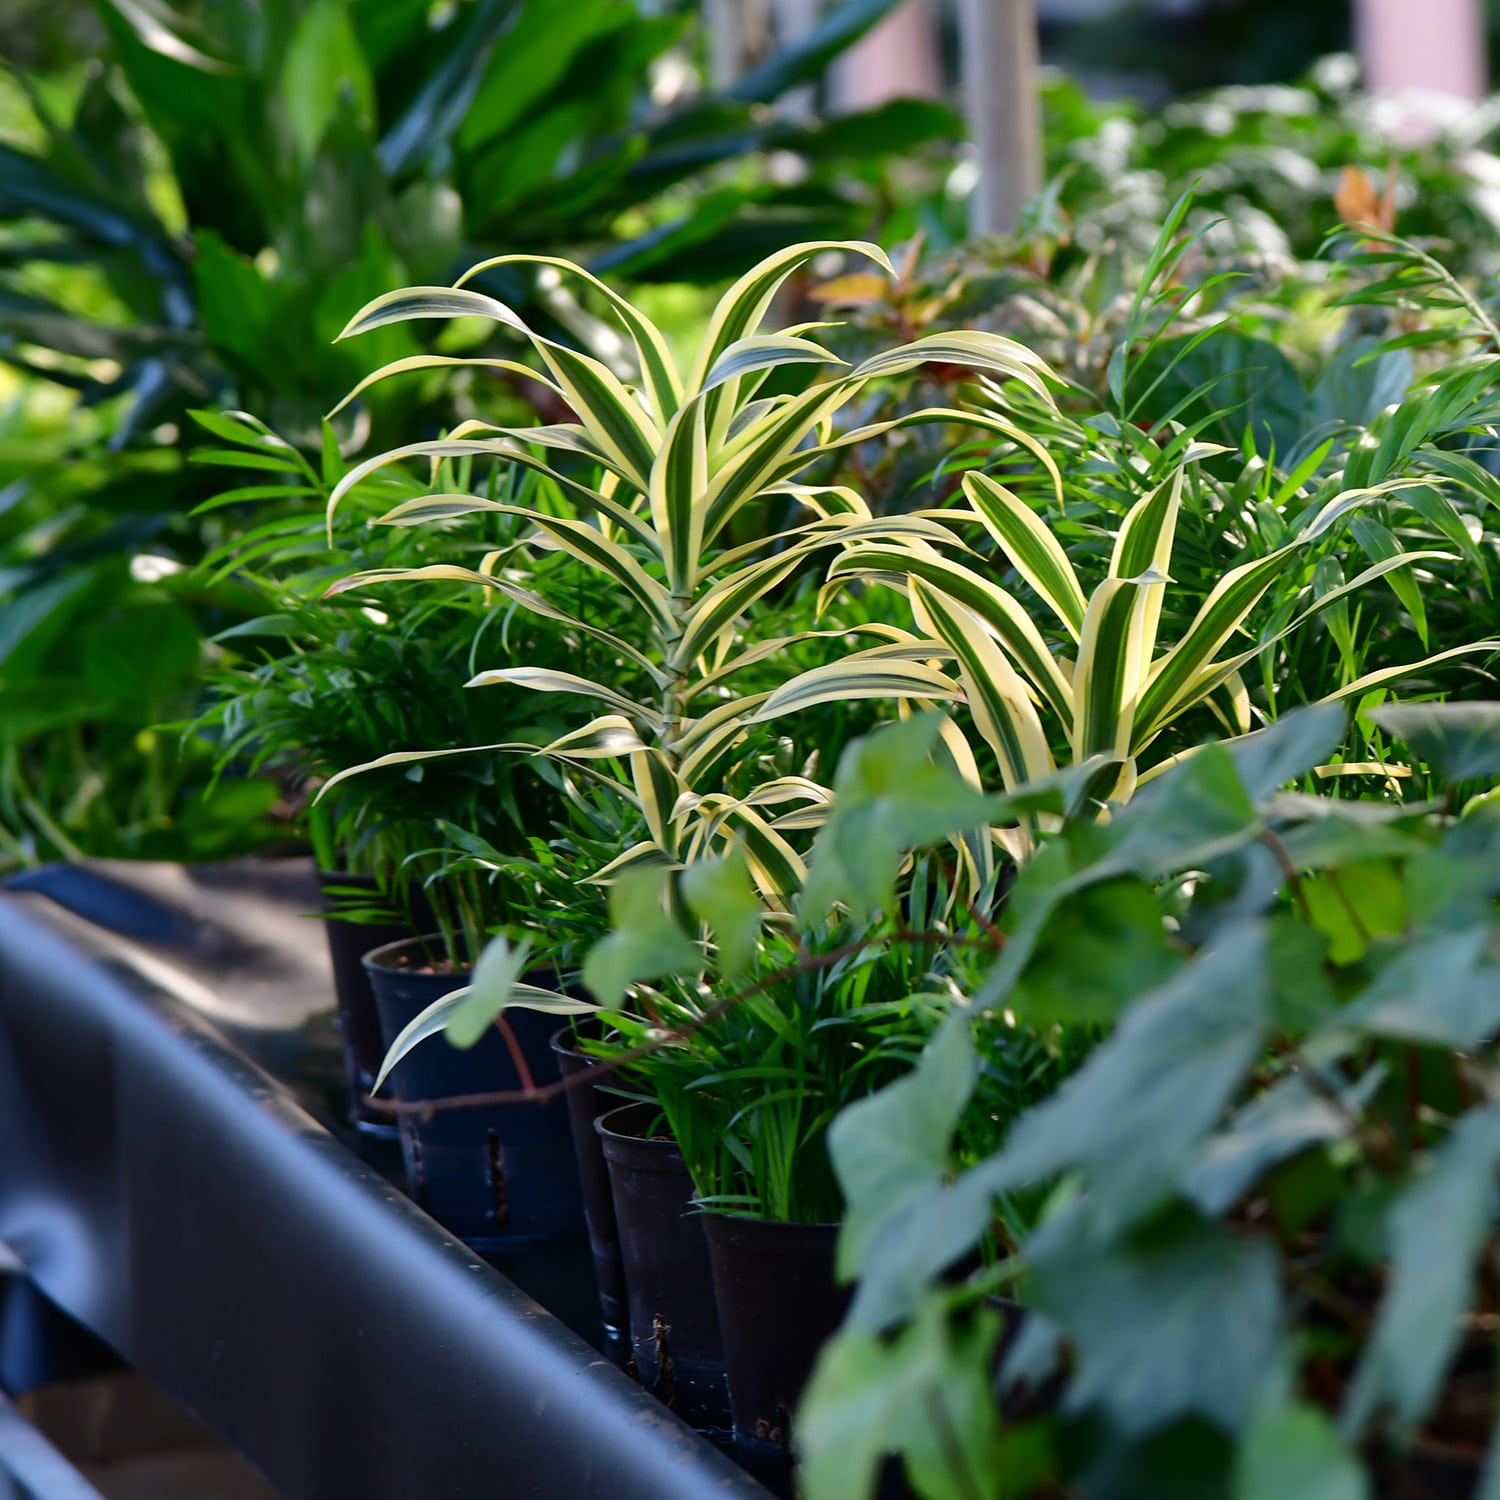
(168, 1194)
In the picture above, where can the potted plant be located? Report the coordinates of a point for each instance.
(318, 682)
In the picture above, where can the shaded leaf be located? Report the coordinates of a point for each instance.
(1459, 741)
(720, 893)
(1436, 1229)
(1165, 1330)
(1293, 1453)
(644, 942)
(898, 1140)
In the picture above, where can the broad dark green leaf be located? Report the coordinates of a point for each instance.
(890, 795)
(898, 1141)
(1292, 1452)
(1249, 382)
(1459, 741)
(645, 942)
(841, 27)
(1436, 1229)
(1165, 1330)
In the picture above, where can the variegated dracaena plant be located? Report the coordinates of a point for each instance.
(1110, 688)
(675, 456)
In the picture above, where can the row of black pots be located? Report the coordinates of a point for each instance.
(723, 1314)
(726, 1314)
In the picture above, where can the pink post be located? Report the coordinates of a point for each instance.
(1422, 44)
(899, 58)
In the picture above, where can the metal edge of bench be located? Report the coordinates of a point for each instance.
(177, 1201)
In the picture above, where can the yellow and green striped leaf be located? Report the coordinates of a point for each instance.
(856, 677)
(1003, 614)
(997, 697)
(766, 351)
(642, 856)
(427, 573)
(730, 597)
(769, 454)
(616, 421)
(678, 496)
(410, 757)
(775, 866)
(1394, 674)
(658, 369)
(740, 310)
(1219, 616)
(600, 739)
(431, 302)
(545, 680)
(444, 361)
(991, 352)
(927, 416)
(657, 789)
(447, 507)
(589, 545)
(1031, 548)
(1106, 679)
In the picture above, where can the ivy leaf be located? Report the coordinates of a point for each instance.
(1276, 1125)
(1096, 953)
(1436, 992)
(1447, 891)
(1194, 814)
(1436, 1230)
(895, 1143)
(927, 1395)
(645, 942)
(1354, 904)
(499, 966)
(1188, 1325)
(1301, 995)
(1287, 749)
(1133, 1116)
(1294, 1451)
(1330, 837)
(721, 893)
(890, 795)
(1460, 741)
(932, 1230)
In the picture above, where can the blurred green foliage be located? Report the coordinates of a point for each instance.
(187, 220)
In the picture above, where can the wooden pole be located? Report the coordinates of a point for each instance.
(999, 47)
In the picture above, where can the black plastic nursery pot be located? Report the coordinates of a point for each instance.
(501, 1177)
(779, 1303)
(674, 1323)
(348, 942)
(586, 1103)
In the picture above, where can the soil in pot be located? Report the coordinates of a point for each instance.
(499, 1177)
(674, 1325)
(586, 1103)
(348, 942)
(778, 1304)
